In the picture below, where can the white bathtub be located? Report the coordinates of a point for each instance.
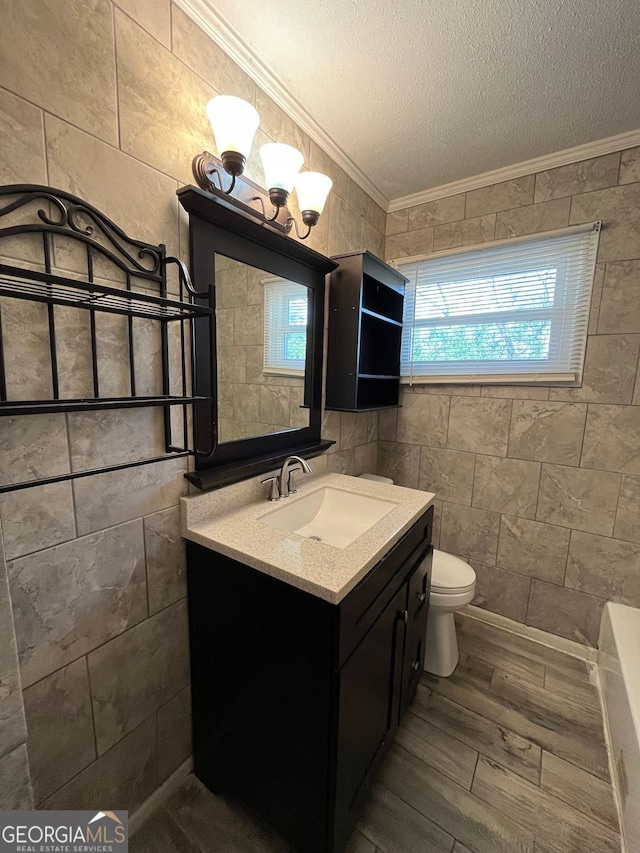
(619, 668)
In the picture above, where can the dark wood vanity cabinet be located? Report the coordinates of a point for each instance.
(296, 700)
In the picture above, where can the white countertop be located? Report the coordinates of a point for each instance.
(229, 522)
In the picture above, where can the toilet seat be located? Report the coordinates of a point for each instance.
(450, 575)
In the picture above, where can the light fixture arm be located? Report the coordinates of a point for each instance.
(204, 171)
(276, 208)
(292, 221)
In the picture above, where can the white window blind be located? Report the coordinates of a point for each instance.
(285, 327)
(514, 311)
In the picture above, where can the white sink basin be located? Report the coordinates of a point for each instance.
(329, 515)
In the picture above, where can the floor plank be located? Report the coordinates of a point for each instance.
(526, 647)
(522, 716)
(454, 809)
(359, 844)
(438, 749)
(215, 826)
(482, 734)
(540, 812)
(395, 827)
(525, 668)
(579, 789)
(563, 684)
(161, 835)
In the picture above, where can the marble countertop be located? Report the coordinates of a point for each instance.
(229, 521)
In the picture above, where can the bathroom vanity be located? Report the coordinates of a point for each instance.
(304, 655)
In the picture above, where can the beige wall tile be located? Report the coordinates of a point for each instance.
(578, 498)
(13, 730)
(533, 218)
(174, 733)
(547, 432)
(436, 212)
(137, 672)
(354, 429)
(61, 57)
(565, 612)
(583, 177)
(153, 15)
(532, 548)
(356, 198)
(628, 513)
(448, 473)
(408, 244)
(502, 196)
(469, 532)
(423, 420)
(21, 141)
(125, 776)
(515, 392)
(274, 404)
(108, 499)
(596, 297)
(372, 240)
(97, 439)
(630, 166)
(604, 567)
(277, 124)
(71, 598)
(479, 425)
(612, 439)
(331, 429)
(619, 209)
(345, 229)
(465, 233)
(454, 389)
(401, 462)
(397, 222)
(506, 485)
(162, 104)
(500, 591)
(36, 518)
(319, 161)
(104, 176)
(60, 727)
(166, 559)
(33, 446)
(194, 47)
(366, 458)
(620, 302)
(342, 462)
(15, 784)
(388, 420)
(609, 371)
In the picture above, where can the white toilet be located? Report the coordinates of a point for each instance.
(453, 584)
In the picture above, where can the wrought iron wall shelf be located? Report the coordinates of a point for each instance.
(59, 218)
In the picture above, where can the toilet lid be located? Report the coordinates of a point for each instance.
(450, 574)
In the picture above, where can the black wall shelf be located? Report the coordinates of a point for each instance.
(366, 302)
(48, 215)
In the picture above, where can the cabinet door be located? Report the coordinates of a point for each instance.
(370, 685)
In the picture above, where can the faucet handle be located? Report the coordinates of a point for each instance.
(274, 491)
(291, 483)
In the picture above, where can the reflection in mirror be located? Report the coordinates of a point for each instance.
(261, 325)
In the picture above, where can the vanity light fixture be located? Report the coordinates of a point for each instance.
(234, 123)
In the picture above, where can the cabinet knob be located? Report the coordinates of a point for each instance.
(421, 596)
(415, 666)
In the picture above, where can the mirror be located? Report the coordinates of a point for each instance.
(264, 352)
(261, 351)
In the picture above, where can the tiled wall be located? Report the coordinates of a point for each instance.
(107, 100)
(538, 487)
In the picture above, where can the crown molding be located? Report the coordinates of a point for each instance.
(228, 40)
(518, 170)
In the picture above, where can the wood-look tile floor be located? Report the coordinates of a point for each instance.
(505, 756)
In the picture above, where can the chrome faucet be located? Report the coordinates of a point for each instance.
(282, 483)
(286, 483)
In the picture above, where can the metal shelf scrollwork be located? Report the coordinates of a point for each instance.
(100, 241)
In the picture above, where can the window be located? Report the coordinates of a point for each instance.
(515, 311)
(285, 327)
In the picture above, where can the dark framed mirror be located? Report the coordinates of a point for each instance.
(265, 352)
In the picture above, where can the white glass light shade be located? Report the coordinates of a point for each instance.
(234, 123)
(312, 189)
(281, 165)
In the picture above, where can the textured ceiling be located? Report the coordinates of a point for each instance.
(419, 93)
